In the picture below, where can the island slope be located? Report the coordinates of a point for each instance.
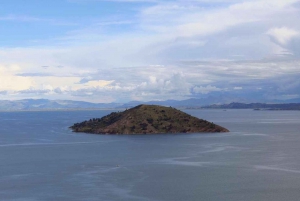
(147, 119)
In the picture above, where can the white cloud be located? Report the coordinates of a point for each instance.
(282, 35)
(161, 88)
(8, 81)
(97, 83)
(205, 89)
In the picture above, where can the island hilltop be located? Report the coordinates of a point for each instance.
(147, 119)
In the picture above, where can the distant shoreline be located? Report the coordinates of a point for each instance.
(67, 105)
(62, 109)
(122, 109)
(256, 106)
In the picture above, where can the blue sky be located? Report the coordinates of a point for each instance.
(123, 50)
(38, 21)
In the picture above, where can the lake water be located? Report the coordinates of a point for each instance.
(42, 160)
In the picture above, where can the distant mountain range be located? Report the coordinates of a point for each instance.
(45, 104)
(257, 106)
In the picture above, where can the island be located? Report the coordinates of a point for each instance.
(147, 119)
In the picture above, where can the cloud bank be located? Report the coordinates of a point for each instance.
(160, 50)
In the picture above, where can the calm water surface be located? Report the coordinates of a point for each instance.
(42, 160)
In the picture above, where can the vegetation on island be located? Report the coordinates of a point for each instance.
(147, 119)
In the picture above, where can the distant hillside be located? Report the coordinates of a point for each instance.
(188, 103)
(147, 119)
(283, 106)
(44, 104)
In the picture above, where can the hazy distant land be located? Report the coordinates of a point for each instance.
(256, 106)
(45, 104)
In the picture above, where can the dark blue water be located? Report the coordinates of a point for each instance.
(42, 160)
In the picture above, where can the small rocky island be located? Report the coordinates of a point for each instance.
(147, 119)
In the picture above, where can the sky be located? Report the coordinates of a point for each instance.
(140, 50)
